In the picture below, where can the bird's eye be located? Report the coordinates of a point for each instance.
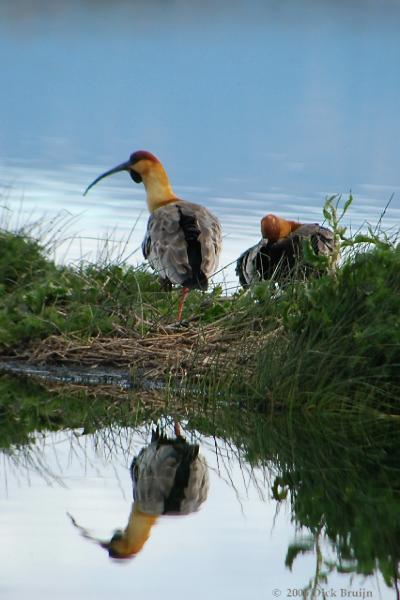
(135, 176)
(118, 533)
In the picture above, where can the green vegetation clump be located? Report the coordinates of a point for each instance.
(342, 480)
(21, 260)
(331, 341)
(39, 299)
(340, 338)
(27, 408)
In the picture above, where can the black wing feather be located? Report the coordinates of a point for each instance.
(191, 232)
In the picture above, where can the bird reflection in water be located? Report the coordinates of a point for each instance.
(169, 477)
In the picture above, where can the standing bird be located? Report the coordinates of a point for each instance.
(280, 250)
(183, 240)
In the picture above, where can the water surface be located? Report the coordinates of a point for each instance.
(253, 107)
(235, 546)
(302, 505)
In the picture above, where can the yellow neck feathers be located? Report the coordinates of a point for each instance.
(136, 533)
(158, 188)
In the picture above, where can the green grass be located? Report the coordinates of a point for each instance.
(332, 342)
(337, 345)
(38, 298)
(340, 340)
(331, 356)
(26, 407)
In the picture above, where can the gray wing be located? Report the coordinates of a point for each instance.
(261, 260)
(196, 490)
(155, 475)
(210, 236)
(146, 244)
(165, 246)
(322, 238)
(155, 480)
(246, 268)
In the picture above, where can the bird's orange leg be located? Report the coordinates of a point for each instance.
(182, 299)
(177, 429)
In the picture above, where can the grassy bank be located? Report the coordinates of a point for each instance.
(331, 342)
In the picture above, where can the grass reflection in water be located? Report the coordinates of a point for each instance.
(341, 477)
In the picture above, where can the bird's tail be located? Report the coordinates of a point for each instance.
(198, 281)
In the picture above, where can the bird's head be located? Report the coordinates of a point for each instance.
(145, 168)
(125, 543)
(274, 228)
(117, 547)
(139, 165)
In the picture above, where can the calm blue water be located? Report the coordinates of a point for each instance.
(253, 107)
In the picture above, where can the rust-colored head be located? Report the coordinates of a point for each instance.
(139, 155)
(145, 168)
(140, 163)
(274, 228)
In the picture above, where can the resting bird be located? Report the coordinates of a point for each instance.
(280, 250)
(169, 478)
(183, 240)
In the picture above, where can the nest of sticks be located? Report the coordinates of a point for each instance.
(180, 353)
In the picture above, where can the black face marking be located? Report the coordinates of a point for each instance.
(135, 176)
(116, 537)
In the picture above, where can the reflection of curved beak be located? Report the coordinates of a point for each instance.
(85, 533)
(122, 167)
(126, 543)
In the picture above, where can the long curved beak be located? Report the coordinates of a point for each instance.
(86, 534)
(122, 167)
